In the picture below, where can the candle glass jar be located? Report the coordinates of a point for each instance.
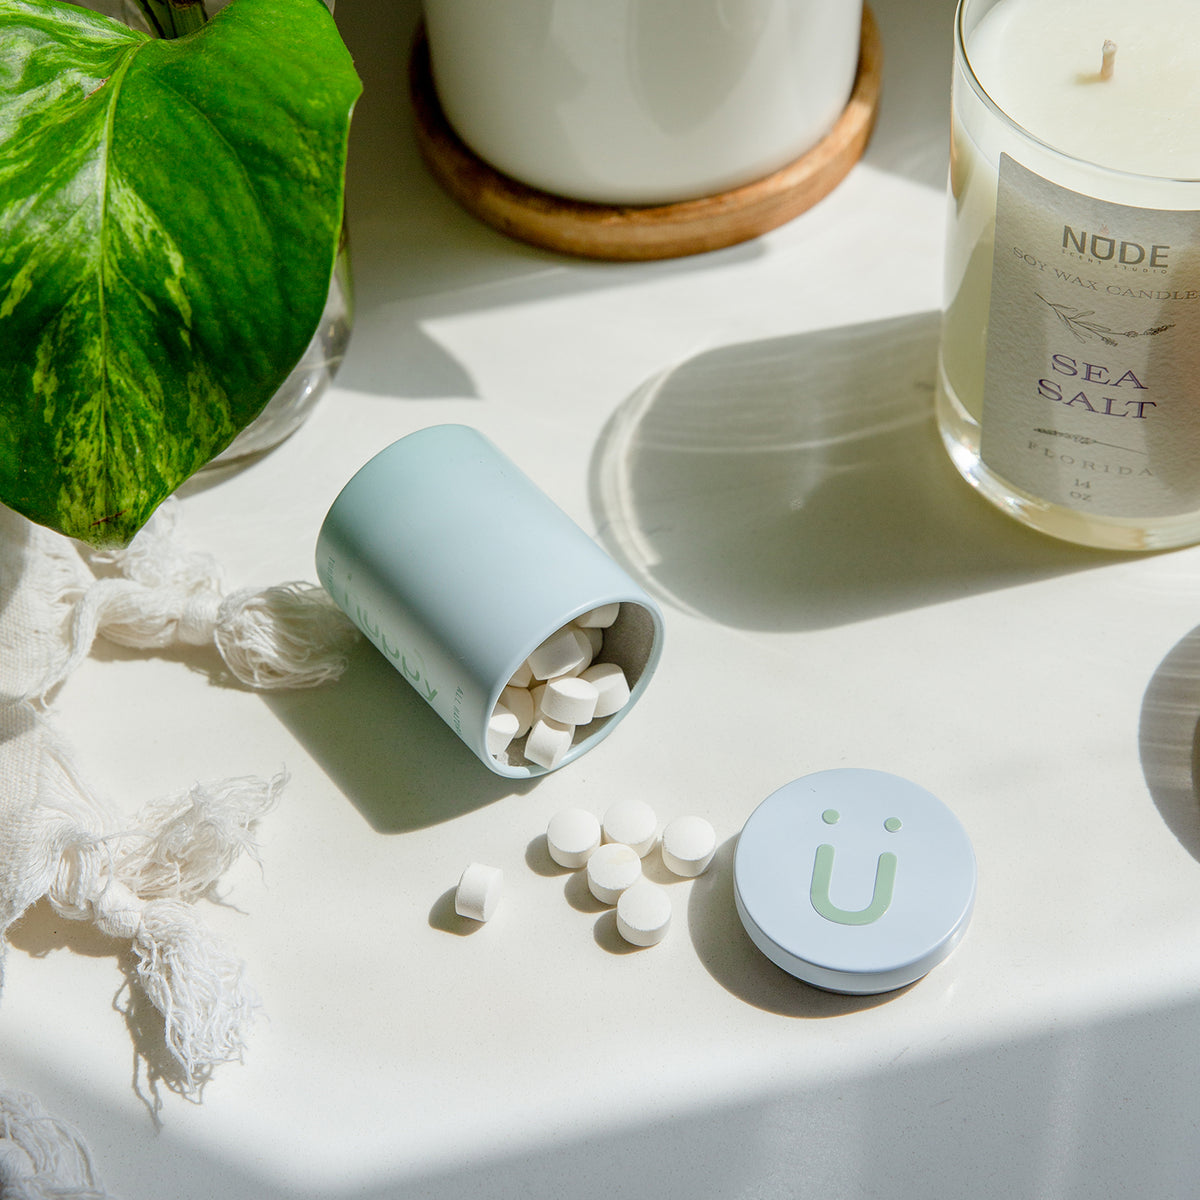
(1069, 368)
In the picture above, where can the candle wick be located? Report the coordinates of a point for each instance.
(1110, 55)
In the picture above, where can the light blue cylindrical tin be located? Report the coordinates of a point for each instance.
(457, 566)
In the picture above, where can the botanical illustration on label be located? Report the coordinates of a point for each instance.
(1092, 385)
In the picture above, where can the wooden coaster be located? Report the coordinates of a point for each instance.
(639, 233)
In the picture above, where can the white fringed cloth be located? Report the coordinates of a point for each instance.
(135, 876)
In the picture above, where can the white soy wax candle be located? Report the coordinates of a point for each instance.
(642, 101)
(1069, 372)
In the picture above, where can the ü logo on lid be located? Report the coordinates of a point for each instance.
(855, 881)
(885, 879)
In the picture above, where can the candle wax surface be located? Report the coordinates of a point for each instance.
(1040, 62)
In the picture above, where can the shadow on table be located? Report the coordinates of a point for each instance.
(703, 909)
(386, 750)
(418, 255)
(733, 960)
(800, 483)
(1102, 1105)
(912, 133)
(40, 931)
(1169, 740)
(1092, 1106)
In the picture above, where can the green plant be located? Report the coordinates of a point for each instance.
(170, 209)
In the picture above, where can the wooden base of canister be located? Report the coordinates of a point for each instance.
(644, 232)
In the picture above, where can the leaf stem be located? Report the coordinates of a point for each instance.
(174, 18)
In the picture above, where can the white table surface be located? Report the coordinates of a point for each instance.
(750, 433)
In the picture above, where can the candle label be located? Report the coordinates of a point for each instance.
(1092, 384)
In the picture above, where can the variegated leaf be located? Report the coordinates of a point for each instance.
(169, 218)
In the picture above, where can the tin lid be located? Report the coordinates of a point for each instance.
(853, 880)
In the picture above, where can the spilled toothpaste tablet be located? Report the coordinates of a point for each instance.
(611, 869)
(571, 837)
(643, 913)
(688, 846)
(478, 892)
(632, 823)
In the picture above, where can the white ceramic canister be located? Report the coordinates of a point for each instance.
(642, 101)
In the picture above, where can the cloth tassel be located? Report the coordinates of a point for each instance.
(291, 635)
(138, 884)
(41, 1157)
(196, 984)
(188, 841)
(57, 597)
(199, 988)
(140, 887)
(286, 636)
(137, 879)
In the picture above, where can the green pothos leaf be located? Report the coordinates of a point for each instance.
(169, 220)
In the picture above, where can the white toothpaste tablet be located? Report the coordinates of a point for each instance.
(633, 824)
(688, 846)
(548, 742)
(610, 870)
(522, 676)
(595, 637)
(643, 913)
(502, 728)
(613, 688)
(563, 653)
(599, 618)
(519, 702)
(570, 700)
(478, 892)
(571, 837)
